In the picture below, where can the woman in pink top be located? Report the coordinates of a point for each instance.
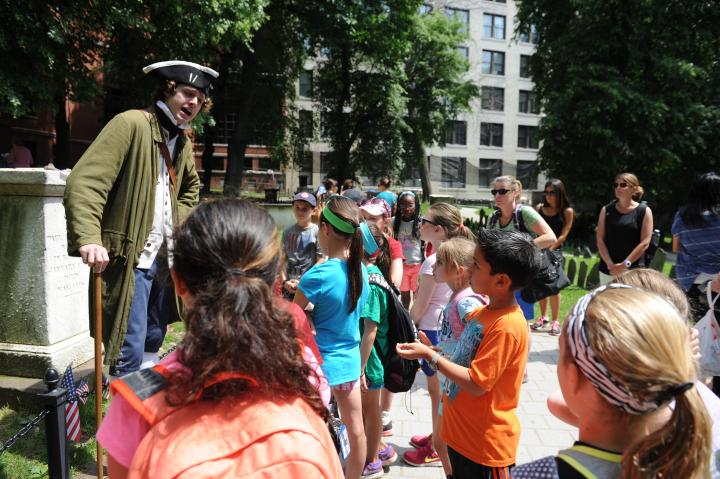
(241, 347)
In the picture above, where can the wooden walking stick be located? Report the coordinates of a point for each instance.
(98, 369)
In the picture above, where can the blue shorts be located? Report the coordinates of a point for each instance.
(374, 387)
(528, 309)
(434, 337)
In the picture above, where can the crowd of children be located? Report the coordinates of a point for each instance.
(253, 376)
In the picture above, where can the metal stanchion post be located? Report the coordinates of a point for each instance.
(98, 369)
(55, 428)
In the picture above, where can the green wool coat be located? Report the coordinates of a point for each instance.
(110, 200)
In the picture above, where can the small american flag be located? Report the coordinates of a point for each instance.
(72, 413)
(82, 390)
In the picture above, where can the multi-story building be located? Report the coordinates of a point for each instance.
(497, 136)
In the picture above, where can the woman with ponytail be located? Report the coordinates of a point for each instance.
(235, 399)
(338, 289)
(627, 374)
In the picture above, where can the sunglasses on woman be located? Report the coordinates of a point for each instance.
(501, 191)
(550, 193)
(621, 185)
(425, 220)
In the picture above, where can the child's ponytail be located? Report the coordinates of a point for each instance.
(679, 448)
(354, 268)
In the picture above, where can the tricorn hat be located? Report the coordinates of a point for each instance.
(188, 73)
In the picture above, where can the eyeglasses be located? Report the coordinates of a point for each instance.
(425, 220)
(501, 191)
(550, 193)
(620, 185)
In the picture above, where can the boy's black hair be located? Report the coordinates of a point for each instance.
(512, 253)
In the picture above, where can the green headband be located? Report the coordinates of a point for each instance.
(337, 222)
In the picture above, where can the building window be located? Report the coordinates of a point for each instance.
(527, 174)
(306, 124)
(530, 35)
(493, 63)
(527, 137)
(489, 170)
(306, 162)
(492, 98)
(491, 134)
(456, 132)
(494, 26)
(268, 163)
(226, 124)
(452, 172)
(306, 83)
(462, 16)
(425, 9)
(528, 103)
(464, 51)
(524, 66)
(325, 163)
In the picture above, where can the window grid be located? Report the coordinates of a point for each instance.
(492, 98)
(528, 103)
(491, 134)
(306, 84)
(493, 63)
(452, 172)
(456, 132)
(524, 66)
(494, 26)
(527, 174)
(527, 137)
(462, 16)
(488, 170)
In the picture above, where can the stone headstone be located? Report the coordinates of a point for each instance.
(572, 269)
(593, 277)
(44, 301)
(658, 261)
(582, 273)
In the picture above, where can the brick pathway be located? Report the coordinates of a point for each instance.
(542, 434)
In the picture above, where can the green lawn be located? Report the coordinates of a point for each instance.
(27, 459)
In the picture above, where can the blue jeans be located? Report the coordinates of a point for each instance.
(149, 317)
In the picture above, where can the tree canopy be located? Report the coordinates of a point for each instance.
(627, 86)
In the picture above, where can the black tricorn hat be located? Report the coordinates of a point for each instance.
(188, 73)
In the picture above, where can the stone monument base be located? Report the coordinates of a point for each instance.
(29, 360)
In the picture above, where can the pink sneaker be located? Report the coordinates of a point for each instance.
(420, 441)
(422, 457)
(555, 330)
(539, 323)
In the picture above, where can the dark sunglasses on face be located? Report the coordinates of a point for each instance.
(621, 185)
(425, 220)
(501, 191)
(550, 193)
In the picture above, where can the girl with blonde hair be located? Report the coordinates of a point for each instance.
(624, 358)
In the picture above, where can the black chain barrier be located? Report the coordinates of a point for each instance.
(23, 431)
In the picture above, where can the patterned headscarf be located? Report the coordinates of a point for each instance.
(612, 390)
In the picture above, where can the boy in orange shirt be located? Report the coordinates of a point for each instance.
(479, 420)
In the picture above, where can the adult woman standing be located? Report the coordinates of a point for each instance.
(511, 216)
(558, 214)
(624, 228)
(696, 239)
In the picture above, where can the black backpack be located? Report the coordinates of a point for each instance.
(399, 372)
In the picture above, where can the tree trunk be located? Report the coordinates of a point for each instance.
(421, 161)
(241, 135)
(342, 144)
(62, 148)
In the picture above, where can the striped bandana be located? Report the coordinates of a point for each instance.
(610, 388)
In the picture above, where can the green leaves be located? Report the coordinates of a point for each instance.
(627, 85)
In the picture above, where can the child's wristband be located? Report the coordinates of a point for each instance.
(434, 360)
